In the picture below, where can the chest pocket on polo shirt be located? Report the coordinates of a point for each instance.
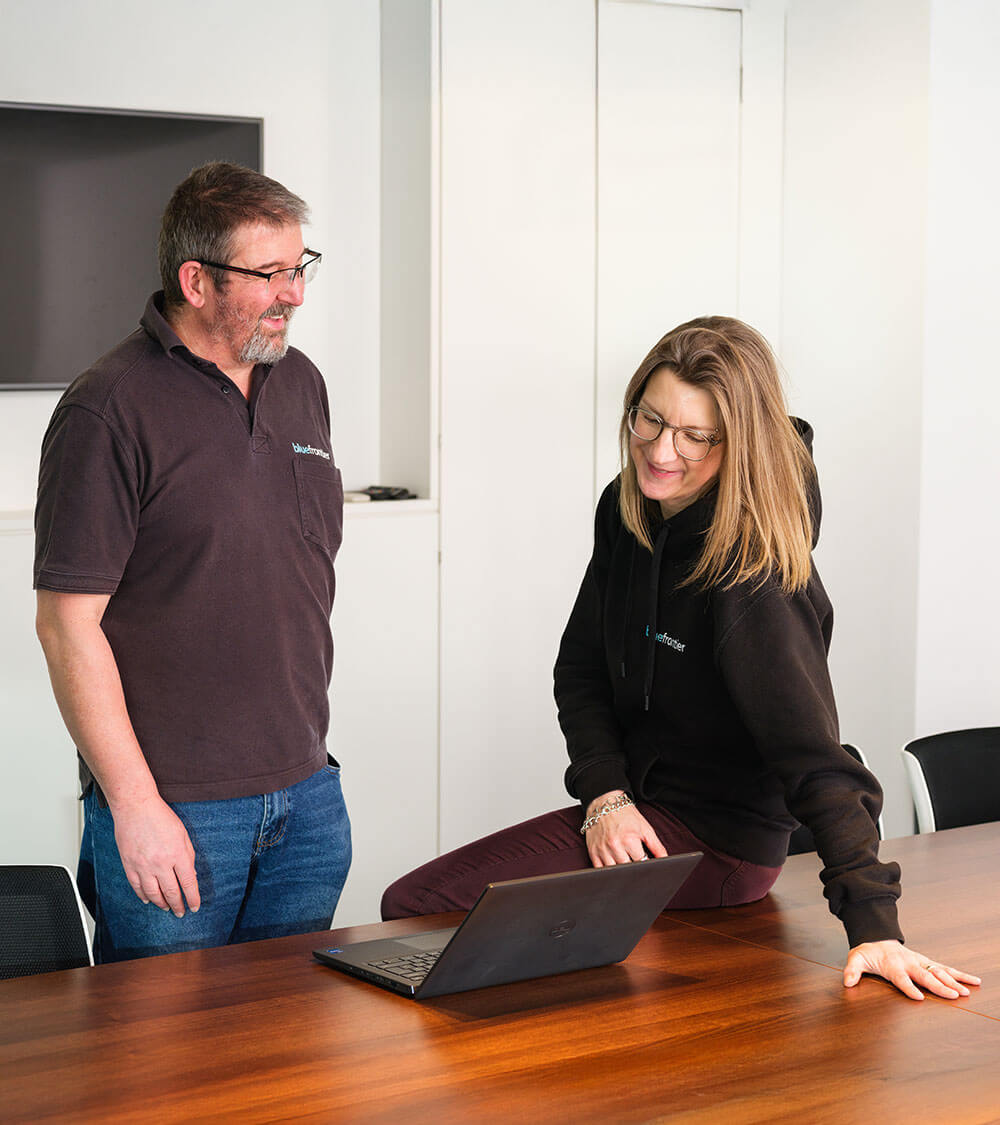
(320, 492)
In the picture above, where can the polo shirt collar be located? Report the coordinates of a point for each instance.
(154, 323)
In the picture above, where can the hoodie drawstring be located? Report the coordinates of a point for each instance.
(654, 597)
(628, 603)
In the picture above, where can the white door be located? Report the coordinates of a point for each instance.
(589, 189)
(517, 332)
(668, 186)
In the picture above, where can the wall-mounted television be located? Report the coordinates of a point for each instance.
(81, 195)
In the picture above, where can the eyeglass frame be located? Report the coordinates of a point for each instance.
(299, 270)
(709, 436)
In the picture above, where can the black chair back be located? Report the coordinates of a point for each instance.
(954, 777)
(41, 921)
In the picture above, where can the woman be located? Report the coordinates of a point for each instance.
(692, 680)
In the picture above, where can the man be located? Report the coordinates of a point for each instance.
(189, 512)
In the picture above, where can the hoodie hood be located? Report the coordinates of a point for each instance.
(805, 431)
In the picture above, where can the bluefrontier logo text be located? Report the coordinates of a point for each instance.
(671, 642)
(311, 449)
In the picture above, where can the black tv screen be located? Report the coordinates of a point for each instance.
(81, 196)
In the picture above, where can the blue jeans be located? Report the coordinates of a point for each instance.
(267, 866)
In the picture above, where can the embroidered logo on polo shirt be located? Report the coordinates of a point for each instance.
(311, 449)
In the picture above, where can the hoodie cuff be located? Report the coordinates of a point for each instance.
(874, 920)
(600, 778)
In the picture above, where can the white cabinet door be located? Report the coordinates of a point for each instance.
(383, 699)
(517, 371)
(668, 174)
(41, 822)
(589, 201)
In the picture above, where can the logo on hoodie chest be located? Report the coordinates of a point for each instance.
(670, 642)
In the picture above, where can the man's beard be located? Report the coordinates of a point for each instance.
(267, 347)
(260, 346)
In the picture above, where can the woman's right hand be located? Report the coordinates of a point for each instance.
(622, 836)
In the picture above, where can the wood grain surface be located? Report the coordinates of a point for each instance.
(949, 909)
(718, 1016)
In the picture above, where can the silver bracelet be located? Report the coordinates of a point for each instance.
(613, 805)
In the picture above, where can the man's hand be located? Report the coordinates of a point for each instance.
(905, 968)
(157, 855)
(620, 836)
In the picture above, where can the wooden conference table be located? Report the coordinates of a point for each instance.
(733, 1015)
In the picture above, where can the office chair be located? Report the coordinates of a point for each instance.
(42, 926)
(802, 840)
(954, 777)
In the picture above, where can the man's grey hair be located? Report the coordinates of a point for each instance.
(208, 208)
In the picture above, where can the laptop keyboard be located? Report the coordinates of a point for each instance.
(412, 967)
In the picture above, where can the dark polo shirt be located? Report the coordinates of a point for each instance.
(214, 528)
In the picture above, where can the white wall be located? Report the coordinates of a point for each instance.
(889, 295)
(834, 151)
(866, 254)
(38, 761)
(668, 242)
(318, 98)
(517, 331)
(958, 611)
(855, 178)
(384, 698)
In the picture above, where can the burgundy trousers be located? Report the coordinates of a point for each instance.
(552, 843)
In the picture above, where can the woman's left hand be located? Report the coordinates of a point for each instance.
(905, 968)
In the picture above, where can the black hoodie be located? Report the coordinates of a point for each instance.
(718, 705)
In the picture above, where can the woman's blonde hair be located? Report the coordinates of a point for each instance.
(762, 524)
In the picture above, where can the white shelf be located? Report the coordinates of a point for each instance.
(392, 509)
(21, 520)
(16, 521)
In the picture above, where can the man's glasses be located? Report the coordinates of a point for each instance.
(278, 279)
(692, 445)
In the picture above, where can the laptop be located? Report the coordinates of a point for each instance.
(524, 928)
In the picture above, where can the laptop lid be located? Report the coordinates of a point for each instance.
(524, 928)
